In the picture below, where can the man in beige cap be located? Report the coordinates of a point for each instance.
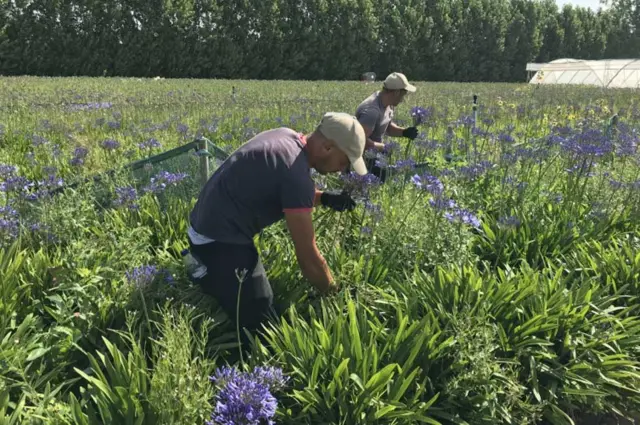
(375, 114)
(267, 179)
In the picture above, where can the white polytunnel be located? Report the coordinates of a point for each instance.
(609, 73)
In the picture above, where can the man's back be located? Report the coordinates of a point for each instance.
(372, 114)
(250, 190)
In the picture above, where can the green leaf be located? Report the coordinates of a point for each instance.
(381, 378)
(355, 378)
(37, 353)
(382, 412)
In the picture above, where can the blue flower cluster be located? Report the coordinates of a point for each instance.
(452, 212)
(126, 197)
(246, 398)
(164, 179)
(110, 144)
(420, 115)
(145, 275)
(149, 144)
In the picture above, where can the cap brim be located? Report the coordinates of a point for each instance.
(359, 167)
(410, 88)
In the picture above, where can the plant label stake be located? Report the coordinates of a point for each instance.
(474, 107)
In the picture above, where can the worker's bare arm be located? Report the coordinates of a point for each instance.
(317, 198)
(370, 144)
(394, 130)
(312, 263)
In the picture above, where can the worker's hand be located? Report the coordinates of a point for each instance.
(334, 288)
(339, 201)
(410, 132)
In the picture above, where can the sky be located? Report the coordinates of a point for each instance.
(593, 4)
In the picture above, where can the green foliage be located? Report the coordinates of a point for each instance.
(436, 40)
(121, 388)
(515, 303)
(348, 367)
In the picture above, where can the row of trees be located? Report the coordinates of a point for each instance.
(442, 40)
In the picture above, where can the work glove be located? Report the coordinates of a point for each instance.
(339, 201)
(410, 132)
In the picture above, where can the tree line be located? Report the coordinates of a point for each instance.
(435, 40)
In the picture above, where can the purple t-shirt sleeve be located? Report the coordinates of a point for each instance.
(368, 117)
(297, 191)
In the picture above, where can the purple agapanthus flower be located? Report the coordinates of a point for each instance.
(381, 161)
(9, 222)
(271, 376)
(163, 179)
(16, 184)
(80, 152)
(110, 144)
(420, 115)
(465, 121)
(89, 106)
(404, 165)
(149, 144)
(182, 128)
(243, 401)
(615, 184)
(442, 204)
(51, 182)
(589, 142)
(474, 171)
(480, 132)
(142, 276)
(38, 140)
(391, 147)
(126, 197)
(246, 398)
(506, 138)
(359, 186)
(7, 170)
(628, 143)
(428, 183)
(375, 210)
(488, 121)
(463, 216)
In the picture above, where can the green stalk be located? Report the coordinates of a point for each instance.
(402, 224)
(145, 311)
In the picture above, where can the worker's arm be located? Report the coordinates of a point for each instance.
(370, 144)
(394, 130)
(312, 263)
(317, 198)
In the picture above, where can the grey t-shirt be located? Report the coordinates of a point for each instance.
(373, 115)
(252, 188)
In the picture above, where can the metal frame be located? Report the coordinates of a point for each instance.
(202, 146)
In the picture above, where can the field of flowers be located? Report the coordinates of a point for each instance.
(499, 285)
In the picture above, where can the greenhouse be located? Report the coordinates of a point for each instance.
(610, 73)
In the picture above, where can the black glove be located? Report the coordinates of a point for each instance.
(410, 132)
(339, 201)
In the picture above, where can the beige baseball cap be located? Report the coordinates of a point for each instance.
(348, 134)
(398, 81)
